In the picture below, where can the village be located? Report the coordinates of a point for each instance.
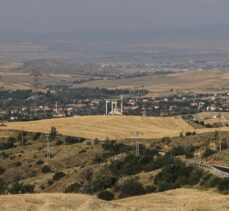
(24, 105)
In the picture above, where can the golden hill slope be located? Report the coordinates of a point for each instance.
(108, 126)
(179, 200)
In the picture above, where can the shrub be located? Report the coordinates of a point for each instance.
(73, 188)
(114, 147)
(131, 187)
(12, 139)
(2, 170)
(103, 181)
(4, 155)
(20, 188)
(17, 164)
(98, 159)
(53, 133)
(50, 182)
(166, 140)
(195, 176)
(73, 140)
(188, 151)
(7, 145)
(58, 176)
(150, 189)
(106, 195)
(177, 150)
(207, 153)
(213, 181)
(36, 136)
(45, 169)
(2, 186)
(39, 162)
(223, 186)
(82, 151)
(172, 176)
(59, 142)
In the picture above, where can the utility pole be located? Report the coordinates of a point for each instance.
(48, 150)
(219, 135)
(22, 140)
(2, 122)
(35, 85)
(218, 100)
(137, 142)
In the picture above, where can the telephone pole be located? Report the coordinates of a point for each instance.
(219, 135)
(35, 85)
(48, 150)
(22, 140)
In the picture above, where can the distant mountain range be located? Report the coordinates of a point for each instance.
(216, 32)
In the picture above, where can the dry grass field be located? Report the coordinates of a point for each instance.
(192, 80)
(174, 200)
(112, 127)
(179, 200)
(212, 117)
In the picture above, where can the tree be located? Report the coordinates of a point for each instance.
(53, 133)
(131, 187)
(106, 195)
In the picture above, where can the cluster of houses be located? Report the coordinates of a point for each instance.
(174, 104)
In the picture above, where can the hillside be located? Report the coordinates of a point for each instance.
(179, 199)
(192, 80)
(112, 127)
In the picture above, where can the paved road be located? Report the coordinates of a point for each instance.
(218, 170)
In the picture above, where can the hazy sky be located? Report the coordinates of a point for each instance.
(78, 15)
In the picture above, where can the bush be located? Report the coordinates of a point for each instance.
(114, 147)
(166, 140)
(213, 182)
(131, 164)
(45, 169)
(73, 188)
(106, 195)
(58, 176)
(36, 136)
(9, 144)
(73, 140)
(177, 150)
(12, 139)
(53, 133)
(50, 182)
(172, 176)
(188, 151)
(103, 181)
(17, 164)
(131, 187)
(208, 153)
(2, 170)
(2, 186)
(39, 162)
(195, 176)
(98, 159)
(223, 186)
(150, 189)
(20, 188)
(59, 142)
